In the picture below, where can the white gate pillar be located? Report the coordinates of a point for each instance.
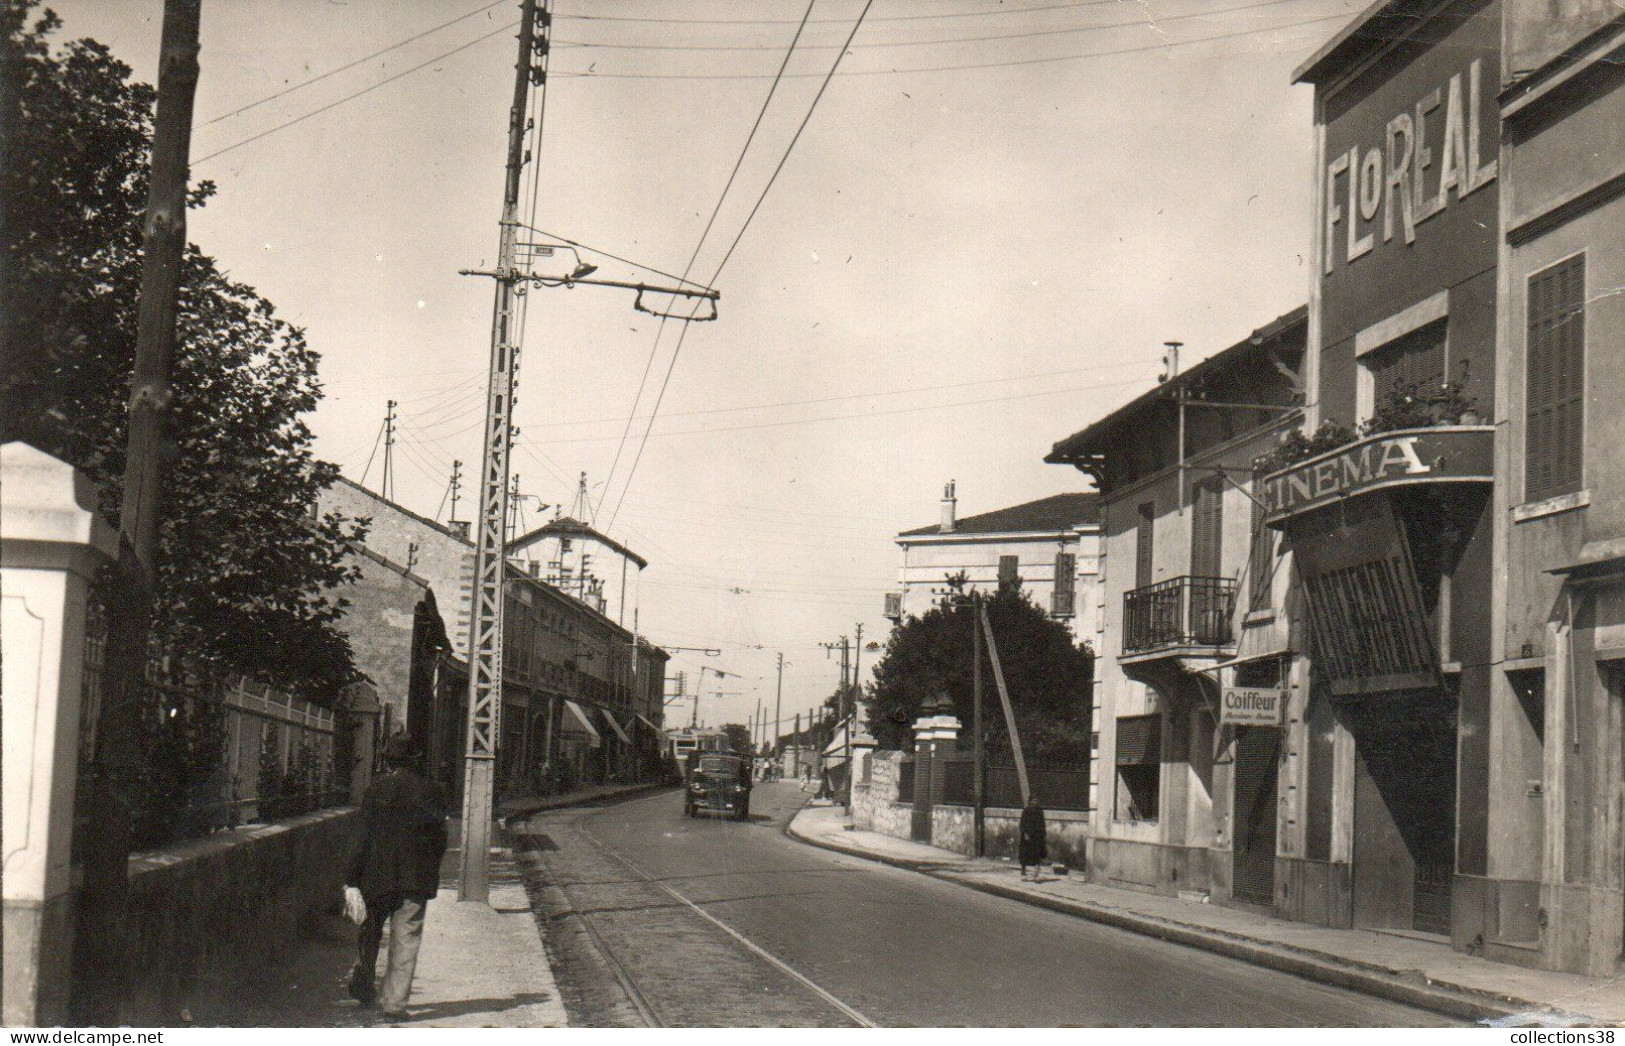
(51, 542)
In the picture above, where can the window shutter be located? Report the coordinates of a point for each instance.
(1261, 562)
(1066, 566)
(1555, 411)
(1144, 564)
(1007, 571)
(1207, 520)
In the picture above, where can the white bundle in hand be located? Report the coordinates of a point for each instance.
(355, 906)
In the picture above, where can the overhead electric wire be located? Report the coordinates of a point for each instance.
(616, 257)
(863, 395)
(353, 96)
(823, 21)
(1150, 22)
(351, 65)
(786, 422)
(699, 244)
(582, 75)
(682, 334)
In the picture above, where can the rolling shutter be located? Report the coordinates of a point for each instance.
(1139, 740)
(1256, 778)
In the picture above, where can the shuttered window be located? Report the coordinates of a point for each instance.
(1007, 571)
(1143, 564)
(1416, 359)
(1139, 767)
(1066, 568)
(1260, 557)
(1207, 523)
(1556, 397)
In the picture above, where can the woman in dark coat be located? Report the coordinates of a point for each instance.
(1034, 838)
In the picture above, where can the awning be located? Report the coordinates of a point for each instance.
(1596, 558)
(626, 738)
(652, 728)
(576, 722)
(1249, 658)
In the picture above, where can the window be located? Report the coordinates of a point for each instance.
(1139, 767)
(1144, 567)
(1066, 568)
(1207, 525)
(1556, 398)
(1008, 577)
(1260, 558)
(1417, 358)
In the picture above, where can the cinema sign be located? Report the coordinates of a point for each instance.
(1450, 454)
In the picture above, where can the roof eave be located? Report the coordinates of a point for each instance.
(1336, 53)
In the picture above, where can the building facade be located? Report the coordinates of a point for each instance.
(1050, 546)
(1556, 865)
(582, 697)
(1188, 579)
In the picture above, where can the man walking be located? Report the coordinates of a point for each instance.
(397, 870)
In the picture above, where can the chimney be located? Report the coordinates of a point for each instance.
(459, 527)
(949, 503)
(1170, 361)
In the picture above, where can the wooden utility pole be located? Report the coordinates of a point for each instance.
(778, 704)
(119, 758)
(490, 562)
(1004, 698)
(978, 734)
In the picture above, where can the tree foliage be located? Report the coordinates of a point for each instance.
(1048, 675)
(738, 737)
(248, 572)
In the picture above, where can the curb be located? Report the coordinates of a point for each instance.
(1311, 966)
(565, 802)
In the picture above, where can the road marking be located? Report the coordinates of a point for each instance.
(755, 949)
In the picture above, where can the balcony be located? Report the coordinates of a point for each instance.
(1180, 614)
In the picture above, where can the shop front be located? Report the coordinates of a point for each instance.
(1381, 531)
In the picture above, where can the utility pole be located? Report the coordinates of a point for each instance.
(119, 759)
(978, 770)
(456, 488)
(778, 703)
(388, 490)
(490, 562)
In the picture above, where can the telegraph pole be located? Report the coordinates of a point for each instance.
(978, 784)
(778, 704)
(119, 759)
(389, 451)
(456, 489)
(490, 562)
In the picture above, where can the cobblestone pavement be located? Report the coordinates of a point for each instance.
(654, 918)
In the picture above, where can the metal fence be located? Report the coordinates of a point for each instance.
(223, 752)
(1057, 786)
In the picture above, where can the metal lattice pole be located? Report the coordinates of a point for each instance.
(490, 562)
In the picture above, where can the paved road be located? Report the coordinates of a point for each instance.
(653, 918)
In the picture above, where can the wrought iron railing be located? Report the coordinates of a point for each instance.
(1180, 612)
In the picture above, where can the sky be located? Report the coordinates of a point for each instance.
(994, 217)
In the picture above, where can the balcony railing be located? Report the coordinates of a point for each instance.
(1180, 612)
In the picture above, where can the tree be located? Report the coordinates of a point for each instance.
(738, 737)
(248, 572)
(1048, 675)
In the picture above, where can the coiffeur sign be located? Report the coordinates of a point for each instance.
(1251, 706)
(1463, 453)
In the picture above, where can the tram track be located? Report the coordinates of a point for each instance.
(674, 963)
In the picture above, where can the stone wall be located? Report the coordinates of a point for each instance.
(205, 914)
(875, 808)
(953, 827)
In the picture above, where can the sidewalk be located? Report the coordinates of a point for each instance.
(480, 966)
(1405, 969)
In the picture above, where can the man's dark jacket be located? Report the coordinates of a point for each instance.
(403, 838)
